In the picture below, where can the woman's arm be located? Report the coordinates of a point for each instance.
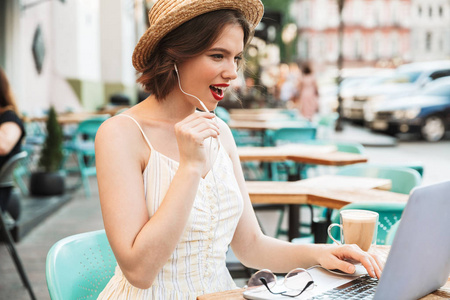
(142, 245)
(10, 134)
(258, 251)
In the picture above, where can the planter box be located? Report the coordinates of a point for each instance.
(47, 184)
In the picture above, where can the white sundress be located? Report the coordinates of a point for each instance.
(197, 265)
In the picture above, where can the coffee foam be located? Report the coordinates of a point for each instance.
(358, 216)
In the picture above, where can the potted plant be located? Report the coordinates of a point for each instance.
(48, 180)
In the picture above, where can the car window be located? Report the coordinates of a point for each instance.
(440, 74)
(440, 90)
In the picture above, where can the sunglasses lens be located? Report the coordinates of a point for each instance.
(297, 280)
(259, 278)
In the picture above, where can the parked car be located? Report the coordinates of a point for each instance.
(427, 112)
(407, 80)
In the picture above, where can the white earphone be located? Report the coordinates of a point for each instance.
(179, 84)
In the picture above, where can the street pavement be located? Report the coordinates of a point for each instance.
(83, 214)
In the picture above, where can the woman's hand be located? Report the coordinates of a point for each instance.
(334, 256)
(191, 134)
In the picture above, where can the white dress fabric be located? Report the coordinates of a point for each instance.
(197, 265)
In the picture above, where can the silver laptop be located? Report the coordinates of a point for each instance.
(419, 260)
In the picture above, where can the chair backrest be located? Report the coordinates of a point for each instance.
(222, 113)
(391, 233)
(289, 135)
(328, 119)
(7, 170)
(79, 266)
(403, 179)
(349, 147)
(389, 214)
(88, 128)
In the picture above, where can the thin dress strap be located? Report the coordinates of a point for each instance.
(140, 128)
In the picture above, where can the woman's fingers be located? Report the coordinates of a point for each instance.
(366, 260)
(199, 130)
(193, 125)
(353, 252)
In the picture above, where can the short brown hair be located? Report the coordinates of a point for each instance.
(187, 41)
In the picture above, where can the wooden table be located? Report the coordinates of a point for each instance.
(67, 118)
(381, 251)
(309, 154)
(300, 153)
(264, 125)
(327, 191)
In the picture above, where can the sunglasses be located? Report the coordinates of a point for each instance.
(296, 281)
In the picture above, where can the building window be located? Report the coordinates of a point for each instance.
(428, 39)
(441, 11)
(430, 12)
(420, 11)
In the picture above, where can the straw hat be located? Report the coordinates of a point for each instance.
(167, 15)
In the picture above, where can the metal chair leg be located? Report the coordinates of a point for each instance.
(13, 252)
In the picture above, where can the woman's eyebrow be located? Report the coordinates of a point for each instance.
(223, 50)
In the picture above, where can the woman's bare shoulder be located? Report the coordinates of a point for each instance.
(119, 132)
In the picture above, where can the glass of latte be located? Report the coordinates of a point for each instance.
(357, 227)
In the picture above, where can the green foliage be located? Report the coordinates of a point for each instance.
(52, 154)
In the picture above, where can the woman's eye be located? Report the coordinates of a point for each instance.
(217, 56)
(238, 58)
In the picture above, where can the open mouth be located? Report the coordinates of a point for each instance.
(217, 90)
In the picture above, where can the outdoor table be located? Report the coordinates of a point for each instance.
(265, 125)
(381, 251)
(302, 153)
(67, 118)
(256, 111)
(331, 192)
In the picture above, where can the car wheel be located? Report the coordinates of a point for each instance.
(433, 129)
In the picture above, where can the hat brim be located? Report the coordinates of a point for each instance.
(252, 10)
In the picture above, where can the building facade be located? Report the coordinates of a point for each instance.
(376, 32)
(430, 29)
(72, 54)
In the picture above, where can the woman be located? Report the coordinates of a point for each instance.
(11, 129)
(308, 100)
(172, 192)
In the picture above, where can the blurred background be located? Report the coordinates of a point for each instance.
(76, 56)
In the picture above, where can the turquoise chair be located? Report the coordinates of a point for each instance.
(389, 214)
(289, 135)
(79, 266)
(82, 146)
(391, 234)
(418, 166)
(403, 179)
(6, 186)
(222, 113)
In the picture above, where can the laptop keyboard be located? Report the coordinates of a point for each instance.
(360, 288)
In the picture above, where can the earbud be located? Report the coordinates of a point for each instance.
(181, 89)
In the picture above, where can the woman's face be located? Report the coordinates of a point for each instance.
(208, 75)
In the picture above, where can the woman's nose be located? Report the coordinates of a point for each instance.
(230, 71)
